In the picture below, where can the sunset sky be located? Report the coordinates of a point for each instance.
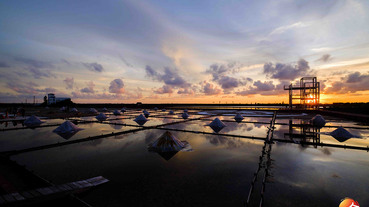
(124, 51)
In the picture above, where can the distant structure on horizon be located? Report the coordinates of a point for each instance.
(307, 94)
(51, 99)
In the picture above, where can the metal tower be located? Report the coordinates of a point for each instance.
(307, 93)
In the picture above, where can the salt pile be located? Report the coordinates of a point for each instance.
(33, 121)
(167, 143)
(185, 115)
(318, 121)
(67, 127)
(116, 112)
(141, 120)
(217, 125)
(342, 134)
(74, 110)
(67, 130)
(123, 109)
(238, 117)
(93, 110)
(171, 112)
(146, 113)
(101, 117)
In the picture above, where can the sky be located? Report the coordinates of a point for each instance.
(185, 51)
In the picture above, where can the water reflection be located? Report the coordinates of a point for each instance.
(303, 131)
(116, 124)
(11, 124)
(227, 142)
(300, 131)
(67, 135)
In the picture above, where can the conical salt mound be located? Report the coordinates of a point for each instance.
(163, 110)
(185, 110)
(116, 112)
(101, 117)
(123, 110)
(105, 109)
(171, 112)
(238, 117)
(167, 143)
(141, 120)
(156, 108)
(74, 110)
(146, 113)
(67, 127)
(341, 134)
(33, 121)
(185, 115)
(318, 121)
(92, 110)
(217, 125)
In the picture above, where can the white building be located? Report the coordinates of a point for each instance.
(51, 99)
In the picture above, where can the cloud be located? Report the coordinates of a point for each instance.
(228, 83)
(172, 80)
(282, 71)
(89, 88)
(35, 63)
(210, 89)
(23, 88)
(38, 69)
(335, 88)
(266, 88)
(218, 70)
(66, 62)
(69, 82)
(126, 62)
(95, 67)
(29, 88)
(187, 91)
(169, 77)
(116, 86)
(150, 72)
(325, 58)
(165, 89)
(38, 73)
(351, 83)
(135, 95)
(356, 77)
(4, 65)
(220, 75)
(283, 29)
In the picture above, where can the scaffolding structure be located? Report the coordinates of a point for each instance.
(303, 132)
(307, 94)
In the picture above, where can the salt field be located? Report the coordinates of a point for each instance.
(256, 161)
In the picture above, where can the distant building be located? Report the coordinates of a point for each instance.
(53, 100)
(62, 99)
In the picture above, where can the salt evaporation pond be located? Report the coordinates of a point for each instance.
(217, 172)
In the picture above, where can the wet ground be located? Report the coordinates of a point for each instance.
(218, 171)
